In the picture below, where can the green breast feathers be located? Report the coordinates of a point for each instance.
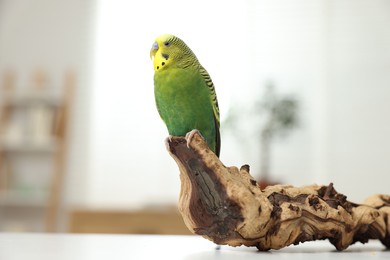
(184, 92)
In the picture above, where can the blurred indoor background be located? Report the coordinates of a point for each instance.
(82, 145)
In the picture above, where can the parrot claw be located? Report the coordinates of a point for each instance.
(190, 135)
(167, 141)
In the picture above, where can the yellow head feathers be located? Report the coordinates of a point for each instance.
(169, 50)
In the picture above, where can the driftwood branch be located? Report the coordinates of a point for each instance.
(226, 206)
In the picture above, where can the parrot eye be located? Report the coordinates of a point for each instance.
(166, 44)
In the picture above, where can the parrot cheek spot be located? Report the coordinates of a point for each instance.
(166, 56)
(163, 63)
(158, 67)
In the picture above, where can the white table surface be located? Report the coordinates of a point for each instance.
(15, 246)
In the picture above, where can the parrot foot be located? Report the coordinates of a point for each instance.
(190, 135)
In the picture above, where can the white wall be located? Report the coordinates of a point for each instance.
(312, 49)
(289, 45)
(359, 97)
(334, 55)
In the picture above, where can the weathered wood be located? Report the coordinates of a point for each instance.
(227, 206)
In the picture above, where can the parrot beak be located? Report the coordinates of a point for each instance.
(153, 50)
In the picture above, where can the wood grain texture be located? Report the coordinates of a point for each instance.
(227, 206)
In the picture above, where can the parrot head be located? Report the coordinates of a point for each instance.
(168, 51)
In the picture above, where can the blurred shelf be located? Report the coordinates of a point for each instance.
(145, 221)
(33, 134)
(18, 198)
(25, 100)
(28, 147)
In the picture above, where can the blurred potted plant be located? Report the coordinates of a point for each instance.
(279, 115)
(274, 115)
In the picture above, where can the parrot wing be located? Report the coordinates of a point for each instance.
(214, 103)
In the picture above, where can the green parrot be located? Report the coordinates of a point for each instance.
(184, 92)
